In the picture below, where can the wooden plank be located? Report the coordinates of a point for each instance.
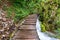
(29, 23)
(29, 27)
(26, 39)
(26, 34)
(27, 30)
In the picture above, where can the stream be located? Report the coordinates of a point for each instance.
(43, 36)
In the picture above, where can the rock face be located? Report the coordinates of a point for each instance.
(6, 26)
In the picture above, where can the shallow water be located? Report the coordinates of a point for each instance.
(42, 35)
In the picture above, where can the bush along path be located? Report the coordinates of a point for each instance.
(27, 31)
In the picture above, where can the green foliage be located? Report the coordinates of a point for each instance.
(50, 15)
(22, 8)
(48, 12)
(43, 28)
(58, 33)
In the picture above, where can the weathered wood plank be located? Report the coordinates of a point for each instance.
(26, 34)
(28, 27)
(26, 39)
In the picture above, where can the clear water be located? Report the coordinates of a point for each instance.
(42, 35)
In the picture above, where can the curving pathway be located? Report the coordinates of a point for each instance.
(27, 30)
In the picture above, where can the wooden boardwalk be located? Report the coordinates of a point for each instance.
(27, 30)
